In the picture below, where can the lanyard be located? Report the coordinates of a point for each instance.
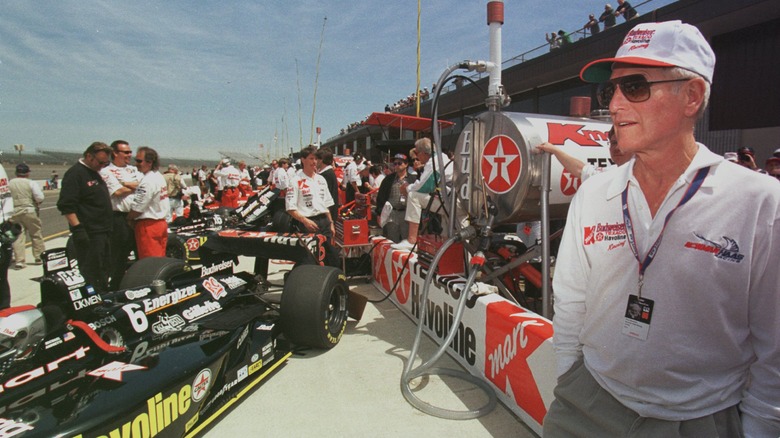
(643, 264)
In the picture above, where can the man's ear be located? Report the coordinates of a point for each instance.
(694, 92)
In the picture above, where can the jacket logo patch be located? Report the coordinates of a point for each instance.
(729, 251)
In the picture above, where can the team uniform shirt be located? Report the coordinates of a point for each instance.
(6, 201)
(243, 177)
(115, 176)
(712, 338)
(350, 175)
(229, 176)
(151, 197)
(85, 194)
(309, 195)
(281, 179)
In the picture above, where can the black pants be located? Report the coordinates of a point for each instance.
(122, 242)
(93, 257)
(5, 289)
(331, 253)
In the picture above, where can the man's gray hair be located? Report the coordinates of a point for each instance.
(423, 145)
(679, 72)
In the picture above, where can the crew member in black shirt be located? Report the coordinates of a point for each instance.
(86, 204)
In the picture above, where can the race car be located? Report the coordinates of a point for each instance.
(262, 211)
(167, 353)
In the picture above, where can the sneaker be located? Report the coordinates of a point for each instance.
(37, 262)
(19, 266)
(403, 245)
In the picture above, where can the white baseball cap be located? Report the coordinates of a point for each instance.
(665, 44)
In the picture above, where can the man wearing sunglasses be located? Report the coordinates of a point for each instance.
(691, 241)
(122, 180)
(150, 206)
(85, 202)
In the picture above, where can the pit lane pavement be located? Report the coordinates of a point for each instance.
(349, 391)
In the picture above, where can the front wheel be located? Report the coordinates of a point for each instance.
(314, 306)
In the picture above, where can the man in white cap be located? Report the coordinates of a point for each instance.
(668, 234)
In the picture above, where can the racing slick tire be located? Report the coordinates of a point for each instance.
(314, 306)
(144, 271)
(281, 222)
(175, 247)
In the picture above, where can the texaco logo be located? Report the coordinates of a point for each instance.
(200, 386)
(501, 164)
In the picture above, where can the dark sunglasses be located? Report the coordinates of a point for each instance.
(636, 88)
(139, 161)
(125, 152)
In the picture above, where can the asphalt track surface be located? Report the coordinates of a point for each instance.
(349, 391)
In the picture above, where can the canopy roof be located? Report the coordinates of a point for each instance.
(410, 123)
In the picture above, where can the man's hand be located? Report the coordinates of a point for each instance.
(79, 235)
(310, 225)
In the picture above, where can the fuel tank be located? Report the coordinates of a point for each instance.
(494, 159)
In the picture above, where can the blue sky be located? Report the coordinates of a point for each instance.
(190, 78)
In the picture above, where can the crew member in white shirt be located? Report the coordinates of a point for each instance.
(308, 200)
(150, 206)
(230, 177)
(122, 179)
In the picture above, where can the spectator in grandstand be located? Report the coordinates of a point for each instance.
(625, 9)
(121, 179)
(564, 38)
(150, 206)
(773, 167)
(553, 40)
(175, 185)
(396, 227)
(419, 193)
(592, 25)
(229, 178)
(86, 204)
(27, 196)
(308, 201)
(325, 169)
(607, 17)
(746, 157)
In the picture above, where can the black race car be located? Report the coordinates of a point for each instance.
(171, 350)
(262, 211)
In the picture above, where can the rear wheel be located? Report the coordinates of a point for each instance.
(145, 271)
(314, 306)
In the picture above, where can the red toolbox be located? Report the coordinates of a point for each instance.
(351, 231)
(451, 263)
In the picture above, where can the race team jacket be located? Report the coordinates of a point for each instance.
(229, 176)
(713, 337)
(309, 195)
(151, 197)
(281, 180)
(115, 176)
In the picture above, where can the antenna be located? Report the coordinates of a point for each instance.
(316, 79)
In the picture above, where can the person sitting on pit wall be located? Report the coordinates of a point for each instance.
(419, 193)
(396, 227)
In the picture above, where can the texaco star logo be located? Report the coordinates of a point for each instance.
(501, 163)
